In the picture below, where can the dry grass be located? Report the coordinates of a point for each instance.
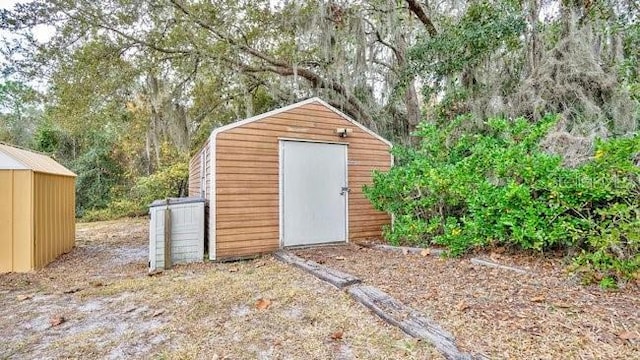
(114, 310)
(501, 313)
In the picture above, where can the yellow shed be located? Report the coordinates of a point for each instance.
(37, 209)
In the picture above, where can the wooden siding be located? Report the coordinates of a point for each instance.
(54, 205)
(195, 189)
(247, 166)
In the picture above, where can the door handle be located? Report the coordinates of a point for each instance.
(344, 190)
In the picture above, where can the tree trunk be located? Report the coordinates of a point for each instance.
(147, 149)
(248, 101)
(410, 95)
(534, 50)
(179, 128)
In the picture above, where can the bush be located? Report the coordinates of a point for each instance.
(171, 181)
(98, 172)
(497, 187)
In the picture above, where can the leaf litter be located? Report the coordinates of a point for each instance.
(543, 314)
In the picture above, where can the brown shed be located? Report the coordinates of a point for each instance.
(289, 177)
(37, 209)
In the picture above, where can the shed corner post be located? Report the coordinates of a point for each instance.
(280, 193)
(212, 198)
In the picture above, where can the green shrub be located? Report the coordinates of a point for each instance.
(497, 187)
(171, 181)
(98, 172)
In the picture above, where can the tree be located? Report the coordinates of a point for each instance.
(20, 112)
(494, 58)
(345, 53)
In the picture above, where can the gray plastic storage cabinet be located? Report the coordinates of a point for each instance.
(184, 240)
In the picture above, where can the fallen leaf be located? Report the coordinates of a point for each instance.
(340, 258)
(628, 335)
(158, 313)
(337, 335)
(425, 252)
(57, 320)
(24, 297)
(462, 306)
(263, 304)
(233, 269)
(537, 299)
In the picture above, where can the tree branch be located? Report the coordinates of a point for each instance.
(416, 8)
(97, 22)
(279, 67)
(385, 65)
(316, 81)
(383, 42)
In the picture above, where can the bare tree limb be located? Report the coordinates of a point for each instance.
(379, 39)
(417, 8)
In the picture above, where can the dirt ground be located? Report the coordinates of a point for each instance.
(98, 302)
(499, 313)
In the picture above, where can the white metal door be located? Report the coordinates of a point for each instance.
(313, 180)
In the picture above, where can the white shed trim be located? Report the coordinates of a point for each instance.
(212, 200)
(294, 106)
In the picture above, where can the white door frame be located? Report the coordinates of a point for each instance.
(281, 142)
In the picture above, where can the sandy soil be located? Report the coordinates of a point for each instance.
(502, 314)
(98, 302)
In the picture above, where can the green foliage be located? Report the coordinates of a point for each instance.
(608, 283)
(170, 181)
(20, 111)
(484, 28)
(98, 172)
(466, 190)
(46, 138)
